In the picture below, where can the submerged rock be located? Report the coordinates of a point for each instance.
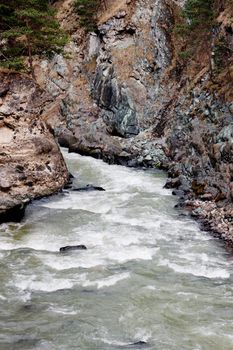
(14, 214)
(88, 188)
(138, 343)
(73, 247)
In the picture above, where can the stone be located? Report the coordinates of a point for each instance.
(206, 197)
(72, 248)
(65, 138)
(94, 46)
(12, 213)
(172, 183)
(118, 111)
(4, 184)
(139, 343)
(88, 188)
(226, 134)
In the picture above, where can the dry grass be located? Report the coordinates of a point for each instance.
(113, 7)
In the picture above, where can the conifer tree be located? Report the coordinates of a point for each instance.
(87, 10)
(27, 28)
(198, 12)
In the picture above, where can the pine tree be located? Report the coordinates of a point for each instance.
(27, 28)
(87, 10)
(198, 12)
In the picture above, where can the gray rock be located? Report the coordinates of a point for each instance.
(226, 134)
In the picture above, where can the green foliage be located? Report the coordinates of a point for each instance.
(198, 12)
(16, 63)
(197, 19)
(87, 11)
(184, 55)
(27, 28)
(221, 52)
(198, 16)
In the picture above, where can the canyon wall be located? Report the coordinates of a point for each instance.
(124, 94)
(31, 165)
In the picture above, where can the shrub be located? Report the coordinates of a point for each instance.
(198, 12)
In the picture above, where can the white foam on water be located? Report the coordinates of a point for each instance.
(2, 297)
(142, 334)
(142, 220)
(121, 178)
(23, 295)
(63, 311)
(129, 225)
(108, 281)
(10, 227)
(5, 246)
(132, 253)
(151, 287)
(103, 248)
(87, 259)
(47, 283)
(94, 202)
(202, 258)
(197, 270)
(111, 341)
(45, 241)
(100, 257)
(213, 333)
(2, 255)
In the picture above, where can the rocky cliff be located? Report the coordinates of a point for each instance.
(31, 165)
(127, 95)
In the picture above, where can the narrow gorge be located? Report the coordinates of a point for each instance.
(126, 94)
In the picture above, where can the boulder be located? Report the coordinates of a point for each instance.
(31, 164)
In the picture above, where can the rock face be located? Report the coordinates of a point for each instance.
(31, 165)
(126, 96)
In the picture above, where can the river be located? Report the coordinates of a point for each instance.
(149, 274)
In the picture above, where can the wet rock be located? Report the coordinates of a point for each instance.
(69, 183)
(178, 193)
(72, 248)
(139, 343)
(172, 183)
(88, 188)
(14, 213)
(66, 138)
